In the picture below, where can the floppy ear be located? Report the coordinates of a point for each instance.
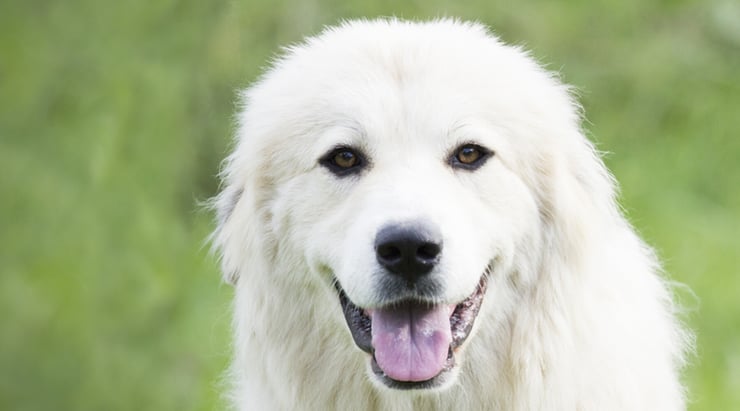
(238, 235)
(582, 208)
(224, 205)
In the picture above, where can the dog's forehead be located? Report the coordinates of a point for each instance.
(390, 87)
(415, 78)
(374, 62)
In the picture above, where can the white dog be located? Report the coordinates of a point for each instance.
(414, 220)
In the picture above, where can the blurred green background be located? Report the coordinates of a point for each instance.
(114, 117)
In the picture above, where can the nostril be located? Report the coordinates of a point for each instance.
(428, 252)
(389, 252)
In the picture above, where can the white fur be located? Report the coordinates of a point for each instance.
(576, 316)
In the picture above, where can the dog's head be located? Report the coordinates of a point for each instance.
(411, 167)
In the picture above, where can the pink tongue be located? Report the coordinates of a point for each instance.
(411, 342)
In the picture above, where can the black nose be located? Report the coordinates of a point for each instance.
(408, 250)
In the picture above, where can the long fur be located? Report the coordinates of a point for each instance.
(576, 317)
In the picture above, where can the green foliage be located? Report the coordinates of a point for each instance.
(115, 115)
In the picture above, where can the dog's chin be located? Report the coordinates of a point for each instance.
(461, 316)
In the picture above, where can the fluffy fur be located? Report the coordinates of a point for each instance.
(576, 316)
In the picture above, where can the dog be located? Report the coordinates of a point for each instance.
(413, 219)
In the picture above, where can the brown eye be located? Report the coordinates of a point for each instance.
(343, 161)
(470, 156)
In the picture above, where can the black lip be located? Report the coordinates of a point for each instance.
(461, 323)
(359, 323)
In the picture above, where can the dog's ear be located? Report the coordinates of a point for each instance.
(582, 205)
(225, 206)
(238, 237)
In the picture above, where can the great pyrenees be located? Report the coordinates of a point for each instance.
(413, 219)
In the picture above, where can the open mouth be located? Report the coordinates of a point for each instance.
(413, 342)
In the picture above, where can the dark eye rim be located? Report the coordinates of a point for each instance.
(485, 154)
(327, 161)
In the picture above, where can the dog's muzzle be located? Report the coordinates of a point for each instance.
(411, 336)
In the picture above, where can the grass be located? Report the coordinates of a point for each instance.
(115, 115)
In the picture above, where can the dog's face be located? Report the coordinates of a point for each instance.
(401, 175)
(417, 212)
